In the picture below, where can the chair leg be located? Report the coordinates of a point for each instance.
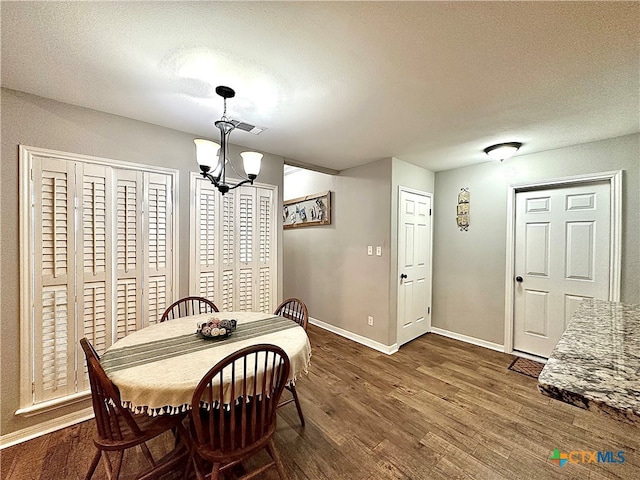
(94, 464)
(197, 467)
(115, 474)
(292, 388)
(271, 450)
(147, 454)
(215, 472)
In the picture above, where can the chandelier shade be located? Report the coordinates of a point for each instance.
(213, 157)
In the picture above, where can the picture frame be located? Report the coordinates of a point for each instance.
(307, 211)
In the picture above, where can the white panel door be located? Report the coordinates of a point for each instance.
(562, 256)
(414, 266)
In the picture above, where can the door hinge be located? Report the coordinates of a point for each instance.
(429, 212)
(33, 388)
(428, 310)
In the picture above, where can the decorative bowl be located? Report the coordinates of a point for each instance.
(214, 327)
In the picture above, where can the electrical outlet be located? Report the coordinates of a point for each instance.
(370, 250)
(379, 251)
(370, 321)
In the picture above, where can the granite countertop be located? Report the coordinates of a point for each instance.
(596, 364)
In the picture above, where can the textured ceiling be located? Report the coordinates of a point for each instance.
(339, 84)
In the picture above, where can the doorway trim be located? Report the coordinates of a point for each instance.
(615, 260)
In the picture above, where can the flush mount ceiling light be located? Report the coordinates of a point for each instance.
(213, 158)
(502, 151)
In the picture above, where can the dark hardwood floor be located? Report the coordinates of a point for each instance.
(437, 409)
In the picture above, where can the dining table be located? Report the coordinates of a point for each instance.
(158, 368)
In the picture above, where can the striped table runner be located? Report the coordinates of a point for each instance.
(145, 353)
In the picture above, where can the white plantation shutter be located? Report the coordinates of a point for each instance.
(94, 265)
(158, 245)
(129, 257)
(238, 270)
(226, 264)
(265, 295)
(205, 242)
(54, 270)
(99, 237)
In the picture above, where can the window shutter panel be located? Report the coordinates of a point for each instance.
(54, 269)
(245, 225)
(246, 248)
(228, 252)
(242, 236)
(101, 244)
(205, 244)
(129, 255)
(159, 247)
(94, 262)
(266, 231)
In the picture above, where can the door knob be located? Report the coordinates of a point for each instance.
(403, 275)
(519, 279)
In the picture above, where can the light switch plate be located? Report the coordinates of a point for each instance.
(370, 250)
(379, 251)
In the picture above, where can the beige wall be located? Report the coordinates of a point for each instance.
(39, 122)
(328, 266)
(469, 267)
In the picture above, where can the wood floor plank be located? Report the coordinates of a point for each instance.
(436, 409)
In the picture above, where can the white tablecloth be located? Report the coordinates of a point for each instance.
(158, 368)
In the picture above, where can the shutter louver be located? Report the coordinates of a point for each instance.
(157, 298)
(56, 377)
(94, 325)
(264, 244)
(207, 282)
(228, 230)
(227, 290)
(207, 228)
(54, 224)
(245, 290)
(127, 225)
(126, 307)
(245, 221)
(264, 290)
(94, 220)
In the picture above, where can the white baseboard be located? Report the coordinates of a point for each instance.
(367, 342)
(43, 428)
(464, 338)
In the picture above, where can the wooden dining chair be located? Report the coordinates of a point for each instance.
(224, 435)
(294, 309)
(119, 429)
(188, 306)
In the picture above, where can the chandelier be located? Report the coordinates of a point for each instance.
(213, 158)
